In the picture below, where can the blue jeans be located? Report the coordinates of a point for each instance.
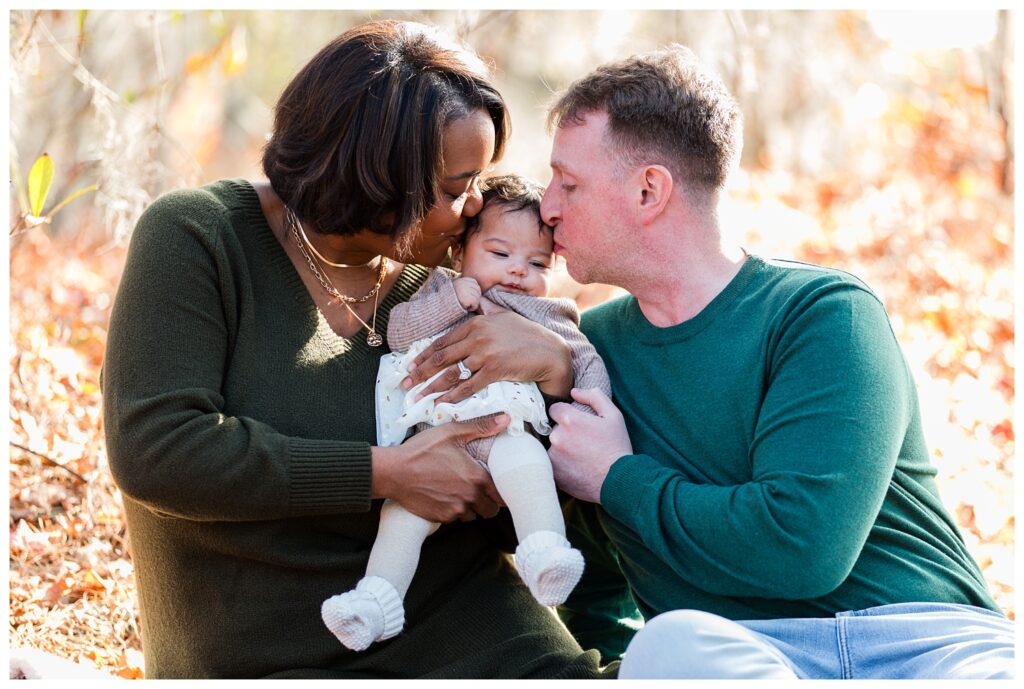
(900, 641)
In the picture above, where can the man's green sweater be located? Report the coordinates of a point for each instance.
(238, 428)
(780, 467)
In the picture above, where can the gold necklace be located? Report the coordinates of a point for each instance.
(373, 338)
(321, 276)
(323, 259)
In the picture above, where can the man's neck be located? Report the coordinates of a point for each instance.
(682, 283)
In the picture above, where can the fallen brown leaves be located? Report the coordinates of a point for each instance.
(71, 587)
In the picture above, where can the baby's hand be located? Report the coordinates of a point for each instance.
(468, 292)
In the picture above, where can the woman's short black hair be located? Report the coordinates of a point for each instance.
(357, 141)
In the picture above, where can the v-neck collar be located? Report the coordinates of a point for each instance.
(409, 280)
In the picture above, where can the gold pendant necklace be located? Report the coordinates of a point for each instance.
(373, 338)
(321, 276)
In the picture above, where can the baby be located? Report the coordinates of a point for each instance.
(506, 259)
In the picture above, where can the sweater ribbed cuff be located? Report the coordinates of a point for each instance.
(626, 485)
(329, 476)
(447, 308)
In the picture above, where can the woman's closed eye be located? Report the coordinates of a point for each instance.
(469, 187)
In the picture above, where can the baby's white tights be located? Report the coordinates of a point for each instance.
(521, 471)
(551, 568)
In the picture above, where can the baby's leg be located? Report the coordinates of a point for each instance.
(373, 610)
(396, 552)
(521, 471)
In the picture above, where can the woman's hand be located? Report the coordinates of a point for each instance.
(502, 346)
(433, 476)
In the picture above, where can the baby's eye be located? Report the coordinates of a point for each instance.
(539, 264)
(502, 254)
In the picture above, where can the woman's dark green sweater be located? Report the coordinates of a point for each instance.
(238, 427)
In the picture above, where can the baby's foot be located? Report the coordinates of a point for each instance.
(550, 567)
(372, 611)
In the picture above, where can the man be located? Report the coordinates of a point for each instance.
(767, 477)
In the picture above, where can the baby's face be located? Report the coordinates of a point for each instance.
(509, 251)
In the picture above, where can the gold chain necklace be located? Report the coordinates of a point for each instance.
(321, 276)
(323, 259)
(373, 338)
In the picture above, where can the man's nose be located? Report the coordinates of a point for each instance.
(549, 209)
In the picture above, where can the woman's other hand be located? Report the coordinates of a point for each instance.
(433, 476)
(501, 346)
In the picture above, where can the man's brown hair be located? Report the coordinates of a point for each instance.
(663, 107)
(358, 133)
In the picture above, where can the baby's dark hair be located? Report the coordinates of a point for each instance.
(513, 193)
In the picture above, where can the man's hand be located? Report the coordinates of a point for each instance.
(584, 446)
(468, 291)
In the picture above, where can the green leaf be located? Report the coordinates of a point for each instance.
(40, 177)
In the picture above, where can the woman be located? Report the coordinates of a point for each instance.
(239, 384)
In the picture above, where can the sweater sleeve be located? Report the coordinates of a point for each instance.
(827, 437)
(562, 317)
(171, 446)
(433, 309)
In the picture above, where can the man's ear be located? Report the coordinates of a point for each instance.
(656, 186)
(457, 258)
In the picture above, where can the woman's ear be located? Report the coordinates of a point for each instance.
(655, 191)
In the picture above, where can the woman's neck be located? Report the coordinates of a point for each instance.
(361, 249)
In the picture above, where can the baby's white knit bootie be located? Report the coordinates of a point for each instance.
(549, 565)
(372, 611)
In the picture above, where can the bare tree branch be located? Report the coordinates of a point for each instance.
(49, 461)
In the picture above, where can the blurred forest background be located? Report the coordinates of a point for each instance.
(876, 142)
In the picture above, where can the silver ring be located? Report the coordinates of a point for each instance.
(464, 372)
